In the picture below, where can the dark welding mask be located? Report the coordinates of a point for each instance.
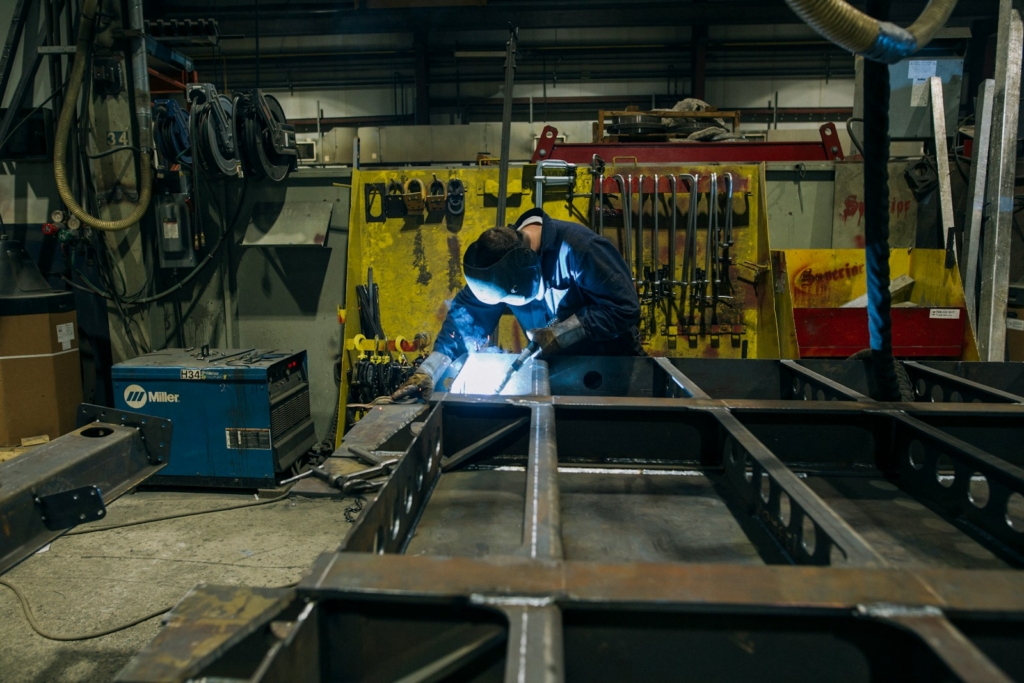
(514, 280)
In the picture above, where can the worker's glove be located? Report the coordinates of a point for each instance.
(558, 336)
(421, 383)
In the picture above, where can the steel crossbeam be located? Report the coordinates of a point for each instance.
(665, 520)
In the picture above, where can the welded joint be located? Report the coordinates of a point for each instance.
(884, 610)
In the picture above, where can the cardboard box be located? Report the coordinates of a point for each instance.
(1015, 334)
(40, 375)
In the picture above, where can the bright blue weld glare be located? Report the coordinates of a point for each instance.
(483, 373)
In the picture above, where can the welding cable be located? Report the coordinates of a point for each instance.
(859, 33)
(89, 530)
(181, 283)
(30, 616)
(876, 225)
(60, 146)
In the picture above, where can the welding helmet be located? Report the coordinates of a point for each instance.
(514, 280)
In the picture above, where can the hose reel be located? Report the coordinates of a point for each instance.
(170, 133)
(212, 130)
(266, 140)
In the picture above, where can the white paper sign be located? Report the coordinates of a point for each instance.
(1015, 324)
(921, 69)
(65, 335)
(945, 313)
(171, 231)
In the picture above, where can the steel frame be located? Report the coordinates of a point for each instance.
(511, 540)
(68, 480)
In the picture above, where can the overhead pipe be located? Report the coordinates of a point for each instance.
(879, 41)
(143, 114)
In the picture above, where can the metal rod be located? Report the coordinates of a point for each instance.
(979, 174)
(942, 161)
(639, 255)
(474, 448)
(625, 201)
(506, 123)
(670, 289)
(655, 260)
(995, 277)
(709, 244)
(600, 205)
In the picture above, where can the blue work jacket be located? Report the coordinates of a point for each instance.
(583, 275)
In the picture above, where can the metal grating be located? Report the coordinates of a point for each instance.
(289, 413)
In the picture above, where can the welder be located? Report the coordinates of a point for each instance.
(568, 287)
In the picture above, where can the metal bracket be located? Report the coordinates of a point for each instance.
(66, 509)
(155, 431)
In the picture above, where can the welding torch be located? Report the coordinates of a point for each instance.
(529, 353)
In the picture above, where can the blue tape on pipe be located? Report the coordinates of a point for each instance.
(892, 44)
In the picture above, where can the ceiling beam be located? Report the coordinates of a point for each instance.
(322, 18)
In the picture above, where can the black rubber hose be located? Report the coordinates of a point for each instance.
(876, 216)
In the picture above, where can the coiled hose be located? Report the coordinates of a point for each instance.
(60, 149)
(879, 41)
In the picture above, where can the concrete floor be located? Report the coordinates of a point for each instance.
(91, 582)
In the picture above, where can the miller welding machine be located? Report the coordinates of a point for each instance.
(240, 416)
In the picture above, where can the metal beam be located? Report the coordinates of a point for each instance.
(942, 160)
(329, 18)
(976, 188)
(995, 276)
(112, 452)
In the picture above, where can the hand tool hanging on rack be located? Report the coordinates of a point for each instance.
(597, 194)
(709, 250)
(266, 140)
(624, 202)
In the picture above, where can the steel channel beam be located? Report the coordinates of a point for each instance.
(113, 456)
(919, 450)
(951, 646)
(676, 382)
(203, 628)
(698, 587)
(807, 385)
(740, 449)
(953, 388)
(995, 276)
(388, 522)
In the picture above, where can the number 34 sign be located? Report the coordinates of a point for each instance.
(117, 138)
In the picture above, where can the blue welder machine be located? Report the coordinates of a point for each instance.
(240, 416)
